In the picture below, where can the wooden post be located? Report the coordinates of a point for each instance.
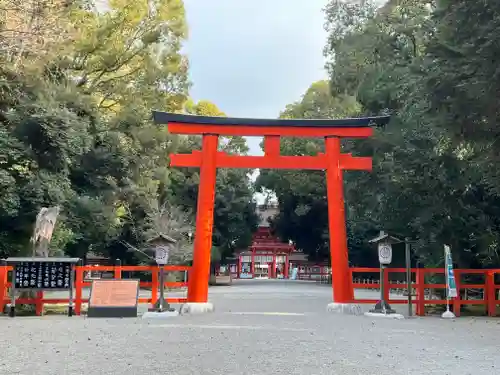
(420, 281)
(238, 270)
(286, 267)
(272, 145)
(3, 284)
(78, 289)
(341, 285)
(273, 274)
(350, 278)
(39, 303)
(457, 300)
(490, 297)
(118, 269)
(387, 289)
(252, 264)
(198, 280)
(154, 284)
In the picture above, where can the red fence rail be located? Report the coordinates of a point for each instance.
(489, 288)
(489, 299)
(80, 283)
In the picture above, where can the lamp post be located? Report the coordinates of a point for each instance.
(161, 245)
(384, 244)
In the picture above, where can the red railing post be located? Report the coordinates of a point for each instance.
(351, 284)
(420, 279)
(118, 269)
(3, 285)
(386, 285)
(78, 289)
(154, 284)
(457, 300)
(39, 303)
(337, 222)
(490, 297)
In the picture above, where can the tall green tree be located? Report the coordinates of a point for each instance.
(462, 81)
(75, 120)
(423, 185)
(434, 176)
(129, 55)
(47, 127)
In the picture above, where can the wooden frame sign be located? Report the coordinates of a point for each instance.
(113, 299)
(40, 273)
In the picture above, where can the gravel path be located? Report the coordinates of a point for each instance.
(259, 328)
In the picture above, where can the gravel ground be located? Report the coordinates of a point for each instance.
(259, 327)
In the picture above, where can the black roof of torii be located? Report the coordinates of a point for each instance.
(166, 117)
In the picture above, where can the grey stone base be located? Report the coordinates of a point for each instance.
(386, 316)
(160, 315)
(448, 315)
(196, 308)
(344, 308)
(112, 312)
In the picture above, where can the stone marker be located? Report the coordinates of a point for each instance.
(113, 299)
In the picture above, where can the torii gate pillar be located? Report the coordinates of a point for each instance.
(209, 159)
(341, 277)
(198, 288)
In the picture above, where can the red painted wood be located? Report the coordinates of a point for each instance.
(272, 145)
(253, 131)
(341, 277)
(200, 272)
(319, 162)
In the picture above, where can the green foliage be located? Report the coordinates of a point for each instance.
(435, 176)
(76, 131)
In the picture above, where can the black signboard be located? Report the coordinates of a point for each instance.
(42, 275)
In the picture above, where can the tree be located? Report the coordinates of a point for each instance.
(76, 92)
(463, 82)
(129, 56)
(46, 127)
(34, 32)
(422, 185)
(171, 221)
(416, 62)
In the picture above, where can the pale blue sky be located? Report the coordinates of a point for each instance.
(253, 57)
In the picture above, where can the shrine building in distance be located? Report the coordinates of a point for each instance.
(268, 257)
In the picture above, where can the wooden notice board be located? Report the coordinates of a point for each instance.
(113, 298)
(42, 275)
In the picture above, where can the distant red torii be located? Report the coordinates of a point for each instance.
(209, 159)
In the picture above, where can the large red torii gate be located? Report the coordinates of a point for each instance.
(209, 159)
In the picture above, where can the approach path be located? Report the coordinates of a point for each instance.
(259, 327)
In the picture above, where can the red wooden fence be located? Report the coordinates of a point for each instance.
(489, 287)
(80, 283)
(489, 300)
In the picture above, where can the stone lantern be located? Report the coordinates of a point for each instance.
(384, 243)
(161, 246)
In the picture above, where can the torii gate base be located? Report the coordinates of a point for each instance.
(209, 159)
